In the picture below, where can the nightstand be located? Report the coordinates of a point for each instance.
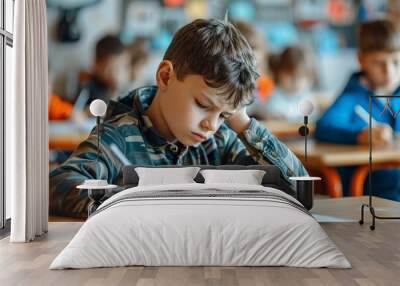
(305, 190)
(95, 194)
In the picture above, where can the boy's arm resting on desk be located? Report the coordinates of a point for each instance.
(65, 199)
(258, 146)
(337, 124)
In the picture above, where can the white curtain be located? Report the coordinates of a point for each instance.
(26, 124)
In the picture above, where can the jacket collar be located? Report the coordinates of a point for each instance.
(357, 85)
(135, 103)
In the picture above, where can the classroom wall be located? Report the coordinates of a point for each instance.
(106, 17)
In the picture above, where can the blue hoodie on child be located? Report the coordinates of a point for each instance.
(341, 124)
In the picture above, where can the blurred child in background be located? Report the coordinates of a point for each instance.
(257, 43)
(264, 82)
(293, 74)
(58, 108)
(138, 55)
(110, 70)
(346, 121)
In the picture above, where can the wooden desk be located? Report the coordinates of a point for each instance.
(326, 157)
(284, 129)
(66, 142)
(67, 135)
(336, 155)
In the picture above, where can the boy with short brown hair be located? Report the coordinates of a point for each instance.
(194, 116)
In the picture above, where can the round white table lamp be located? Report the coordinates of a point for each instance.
(305, 107)
(98, 108)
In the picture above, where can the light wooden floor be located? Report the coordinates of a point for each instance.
(374, 255)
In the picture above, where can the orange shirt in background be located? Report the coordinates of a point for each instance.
(58, 108)
(265, 87)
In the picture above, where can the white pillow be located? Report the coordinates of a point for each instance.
(162, 176)
(249, 177)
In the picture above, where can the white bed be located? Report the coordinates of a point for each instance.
(201, 224)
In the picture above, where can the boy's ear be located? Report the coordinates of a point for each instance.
(165, 74)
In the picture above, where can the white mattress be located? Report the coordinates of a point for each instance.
(189, 230)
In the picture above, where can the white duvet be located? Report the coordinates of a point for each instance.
(206, 230)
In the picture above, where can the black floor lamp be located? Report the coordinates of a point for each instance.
(305, 184)
(370, 202)
(96, 187)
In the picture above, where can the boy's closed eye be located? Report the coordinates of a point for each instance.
(204, 102)
(224, 115)
(202, 105)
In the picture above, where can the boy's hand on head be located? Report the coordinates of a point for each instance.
(382, 135)
(239, 121)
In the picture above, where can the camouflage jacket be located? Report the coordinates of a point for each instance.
(126, 126)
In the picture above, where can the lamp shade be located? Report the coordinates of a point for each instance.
(305, 107)
(98, 107)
